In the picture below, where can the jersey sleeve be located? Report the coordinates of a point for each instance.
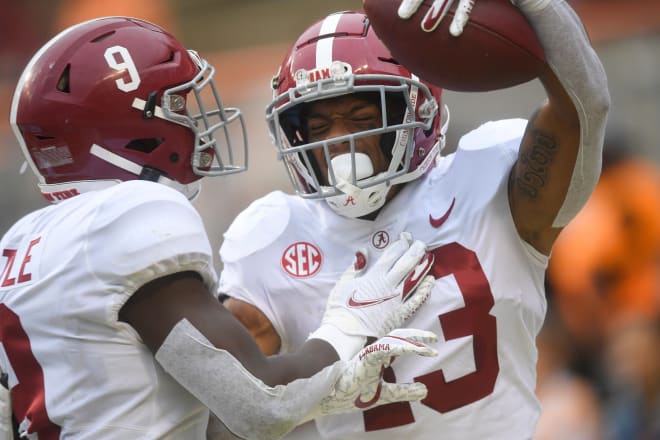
(504, 134)
(256, 227)
(489, 151)
(143, 231)
(253, 231)
(248, 252)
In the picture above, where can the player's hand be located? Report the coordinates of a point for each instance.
(6, 427)
(361, 386)
(436, 13)
(373, 298)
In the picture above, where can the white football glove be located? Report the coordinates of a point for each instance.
(437, 12)
(374, 301)
(6, 427)
(361, 386)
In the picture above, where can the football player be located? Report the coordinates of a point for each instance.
(109, 325)
(360, 137)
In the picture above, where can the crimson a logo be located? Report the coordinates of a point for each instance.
(301, 260)
(380, 239)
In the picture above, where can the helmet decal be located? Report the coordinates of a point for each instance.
(337, 71)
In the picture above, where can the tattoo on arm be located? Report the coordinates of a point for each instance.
(534, 164)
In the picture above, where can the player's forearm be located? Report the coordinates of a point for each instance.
(248, 407)
(311, 358)
(575, 63)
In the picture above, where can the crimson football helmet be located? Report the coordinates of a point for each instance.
(341, 55)
(118, 98)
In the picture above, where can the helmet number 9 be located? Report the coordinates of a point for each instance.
(119, 59)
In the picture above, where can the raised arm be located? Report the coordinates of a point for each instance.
(559, 159)
(560, 155)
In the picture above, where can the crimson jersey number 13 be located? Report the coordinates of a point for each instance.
(474, 319)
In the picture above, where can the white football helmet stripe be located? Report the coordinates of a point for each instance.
(324, 46)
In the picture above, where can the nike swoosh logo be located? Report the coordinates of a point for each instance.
(433, 16)
(421, 268)
(356, 303)
(359, 403)
(413, 279)
(437, 222)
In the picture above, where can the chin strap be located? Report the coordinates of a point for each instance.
(191, 190)
(355, 202)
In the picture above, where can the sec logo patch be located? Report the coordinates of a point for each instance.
(301, 260)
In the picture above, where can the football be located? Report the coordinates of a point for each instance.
(497, 49)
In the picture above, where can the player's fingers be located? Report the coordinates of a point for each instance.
(408, 263)
(393, 253)
(384, 350)
(416, 348)
(415, 335)
(416, 276)
(414, 301)
(461, 17)
(402, 392)
(408, 7)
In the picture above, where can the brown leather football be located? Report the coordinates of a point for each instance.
(497, 49)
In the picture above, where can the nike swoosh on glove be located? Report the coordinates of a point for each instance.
(371, 300)
(361, 386)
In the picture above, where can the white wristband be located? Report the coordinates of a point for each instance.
(345, 345)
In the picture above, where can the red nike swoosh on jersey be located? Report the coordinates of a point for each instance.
(359, 403)
(437, 222)
(356, 303)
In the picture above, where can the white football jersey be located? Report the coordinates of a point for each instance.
(284, 255)
(75, 370)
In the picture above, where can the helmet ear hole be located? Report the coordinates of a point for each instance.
(144, 145)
